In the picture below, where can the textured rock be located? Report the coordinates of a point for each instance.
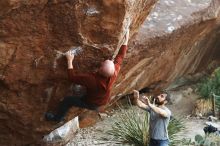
(33, 36)
(178, 38)
(63, 133)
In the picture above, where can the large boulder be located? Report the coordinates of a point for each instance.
(34, 35)
(177, 39)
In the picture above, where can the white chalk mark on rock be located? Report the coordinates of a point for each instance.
(170, 29)
(36, 61)
(155, 15)
(2, 77)
(149, 18)
(172, 2)
(48, 93)
(59, 54)
(167, 3)
(180, 17)
(74, 50)
(92, 11)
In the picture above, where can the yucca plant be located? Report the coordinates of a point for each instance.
(175, 126)
(133, 125)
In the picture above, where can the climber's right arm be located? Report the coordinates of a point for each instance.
(70, 58)
(121, 54)
(85, 79)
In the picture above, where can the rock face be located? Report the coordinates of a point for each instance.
(34, 35)
(178, 38)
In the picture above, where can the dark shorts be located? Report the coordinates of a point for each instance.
(155, 142)
(70, 101)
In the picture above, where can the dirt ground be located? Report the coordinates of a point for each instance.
(183, 101)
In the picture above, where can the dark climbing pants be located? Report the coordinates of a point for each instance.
(70, 101)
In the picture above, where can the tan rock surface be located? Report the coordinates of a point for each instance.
(178, 38)
(33, 36)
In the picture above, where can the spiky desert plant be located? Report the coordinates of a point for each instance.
(175, 126)
(132, 128)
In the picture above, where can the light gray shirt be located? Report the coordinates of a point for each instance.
(159, 124)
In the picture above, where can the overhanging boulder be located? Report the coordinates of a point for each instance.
(33, 36)
(178, 38)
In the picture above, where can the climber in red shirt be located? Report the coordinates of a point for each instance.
(98, 84)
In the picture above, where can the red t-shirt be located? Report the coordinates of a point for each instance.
(98, 87)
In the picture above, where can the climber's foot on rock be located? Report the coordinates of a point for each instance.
(51, 117)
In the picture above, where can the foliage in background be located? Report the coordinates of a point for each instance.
(210, 85)
(217, 99)
(133, 126)
(207, 140)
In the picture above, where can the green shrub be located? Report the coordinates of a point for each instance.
(210, 85)
(207, 140)
(133, 126)
(217, 99)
